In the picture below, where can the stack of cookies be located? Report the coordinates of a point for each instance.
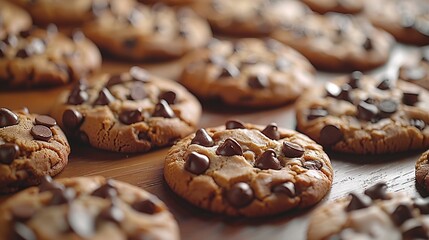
(248, 56)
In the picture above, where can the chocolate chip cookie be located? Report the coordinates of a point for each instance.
(39, 58)
(363, 115)
(407, 21)
(417, 71)
(337, 42)
(341, 6)
(248, 72)
(147, 32)
(248, 170)
(86, 208)
(422, 170)
(69, 13)
(12, 19)
(249, 18)
(376, 214)
(31, 146)
(128, 112)
(170, 2)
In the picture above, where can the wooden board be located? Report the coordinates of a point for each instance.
(145, 170)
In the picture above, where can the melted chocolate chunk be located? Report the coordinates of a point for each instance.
(385, 84)
(162, 109)
(45, 121)
(355, 78)
(268, 160)
(401, 214)
(366, 111)
(287, 188)
(129, 117)
(147, 206)
(330, 135)
(114, 80)
(313, 165)
(271, 131)
(292, 150)
(23, 53)
(358, 202)
(410, 98)
(104, 97)
(7, 118)
(387, 107)
(418, 123)
(197, 163)
(108, 190)
(368, 44)
(169, 96)
(72, 119)
(202, 138)
(240, 195)
(229, 70)
(378, 191)
(48, 184)
(316, 113)
(234, 124)
(80, 220)
(229, 148)
(40, 132)
(8, 152)
(258, 82)
(62, 196)
(112, 213)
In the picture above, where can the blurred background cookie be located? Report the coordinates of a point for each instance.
(13, 19)
(341, 6)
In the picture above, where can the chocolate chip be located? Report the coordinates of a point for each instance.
(422, 205)
(410, 98)
(45, 121)
(234, 124)
(162, 109)
(36, 46)
(48, 184)
(40, 132)
(11, 40)
(387, 107)
(147, 206)
(112, 213)
(108, 190)
(143, 136)
(414, 231)
(129, 117)
(83, 137)
(104, 97)
(197, 163)
(384, 84)
(358, 202)
(72, 119)
(52, 29)
(312, 165)
(169, 96)
(378, 191)
(414, 73)
(341, 93)
(418, 123)
(22, 53)
(80, 220)
(114, 80)
(330, 135)
(292, 150)
(316, 113)
(26, 33)
(268, 160)
(138, 92)
(77, 96)
(7, 118)
(355, 78)
(130, 43)
(8, 152)
(139, 74)
(62, 196)
(367, 44)
(240, 195)
(271, 131)
(229, 70)
(78, 36)
(366, 111)
(202, 138)
(401, 214)
(258, 81)
(22, 212)
(22, 232)
(287, 188)
(229, 148)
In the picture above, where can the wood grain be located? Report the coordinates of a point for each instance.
(352, 173)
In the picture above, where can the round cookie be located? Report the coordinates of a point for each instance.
(86, 208)
(248, 170)
(376, 214)
(31, 146)
(40, 58)
(407, 21)
(149, 32)
(337, 42)
(74, 12)
(362, 115)
(422, 170)
(12, 19)
(417, 71)
(341, 6)
(170, 2)
(248, 72)
(128, 112)
(249, 18)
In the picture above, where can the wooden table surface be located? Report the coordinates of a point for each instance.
(145, 170)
